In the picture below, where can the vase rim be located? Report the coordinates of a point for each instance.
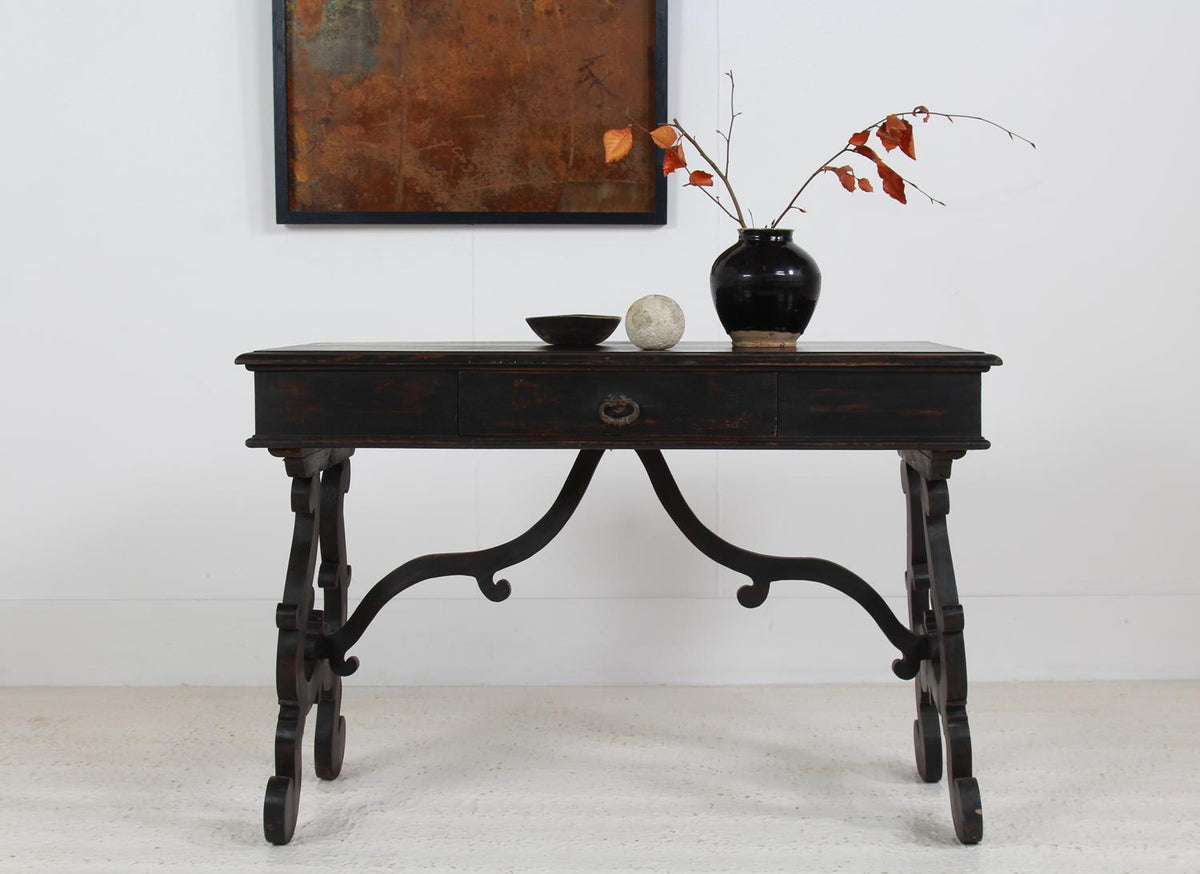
(761, 233)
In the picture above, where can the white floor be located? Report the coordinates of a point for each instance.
(1088, 777)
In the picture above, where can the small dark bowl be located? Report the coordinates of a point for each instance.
(573, 330)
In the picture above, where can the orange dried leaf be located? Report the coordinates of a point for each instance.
(865, 184)
(923, 111)
(897, 132)
(617, 143)
(664, 136)
(845, 175)
(867, 152)
(860, 138)
(673, 160)
(701, 179)
(893, 184)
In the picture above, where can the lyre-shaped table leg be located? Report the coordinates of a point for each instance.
(935, 612)
(302, 679)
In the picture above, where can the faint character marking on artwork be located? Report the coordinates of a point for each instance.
(594, 83)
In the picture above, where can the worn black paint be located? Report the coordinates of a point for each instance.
(877, 395)
(315, 403)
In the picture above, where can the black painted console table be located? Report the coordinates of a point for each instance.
(315, 404)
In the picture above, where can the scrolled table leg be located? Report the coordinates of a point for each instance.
(292, 617)
(935, 613)
(301, 677)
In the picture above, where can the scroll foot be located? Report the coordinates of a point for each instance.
(280, 809)
(967, 810)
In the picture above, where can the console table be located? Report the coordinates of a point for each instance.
(315, 404)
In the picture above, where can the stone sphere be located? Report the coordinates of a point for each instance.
(654, 322)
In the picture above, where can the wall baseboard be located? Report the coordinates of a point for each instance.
(594, 641)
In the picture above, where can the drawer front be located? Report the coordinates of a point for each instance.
(578, 405)
(882, 406)
(352, 403)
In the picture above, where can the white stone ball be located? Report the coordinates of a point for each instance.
(654, 322)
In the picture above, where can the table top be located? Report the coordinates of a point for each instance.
(529, 395)
(621, 356)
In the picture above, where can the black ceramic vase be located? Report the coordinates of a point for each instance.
(765, 289)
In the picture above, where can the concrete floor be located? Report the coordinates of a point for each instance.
(1088, 777)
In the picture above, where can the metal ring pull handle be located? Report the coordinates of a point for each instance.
(619, 410)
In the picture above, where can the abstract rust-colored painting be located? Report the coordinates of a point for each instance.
(431, 111)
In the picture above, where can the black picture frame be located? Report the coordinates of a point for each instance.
(285, 214)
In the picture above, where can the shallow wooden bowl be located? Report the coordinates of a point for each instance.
(573, 330)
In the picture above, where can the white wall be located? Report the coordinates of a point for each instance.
(143, 543)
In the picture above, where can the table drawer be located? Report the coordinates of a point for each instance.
(864, 405)
(367, 403)
(589, 405)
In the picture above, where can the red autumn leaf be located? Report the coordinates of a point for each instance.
(664, 136)
(700, 179)
(865, 184)
(617, 143)
(673, 160)
(860, 138)
(867, 152)
(893, 184)
(923, 111)
(845, 175)
(896, 131)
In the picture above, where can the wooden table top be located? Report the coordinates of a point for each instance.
(622, 356)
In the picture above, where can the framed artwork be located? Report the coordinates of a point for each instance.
(460, 111)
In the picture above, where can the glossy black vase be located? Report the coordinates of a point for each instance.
(765, 289)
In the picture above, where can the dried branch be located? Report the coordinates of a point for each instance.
(925, 114)
(893, 132)
(739, 218)
(858, 139)
(792, 203)
(732, 116)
